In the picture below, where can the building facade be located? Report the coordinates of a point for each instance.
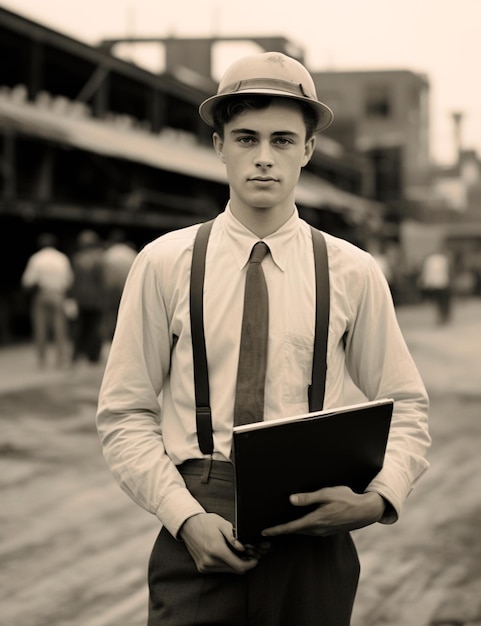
(384, 115)
(90, 140)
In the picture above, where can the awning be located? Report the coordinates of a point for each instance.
(171, 150)
(169, 153)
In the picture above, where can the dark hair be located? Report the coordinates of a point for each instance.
(47, 240)
(229, 108)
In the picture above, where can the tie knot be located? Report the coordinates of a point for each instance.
(258, 252)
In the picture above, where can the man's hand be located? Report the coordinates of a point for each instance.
(338, 509)
(211, 543)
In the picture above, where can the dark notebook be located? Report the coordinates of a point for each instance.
(276, 458)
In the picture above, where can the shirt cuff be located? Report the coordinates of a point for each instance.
(393, 493)
(176, 508)
(390, 515)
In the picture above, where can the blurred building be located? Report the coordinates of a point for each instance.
(91, 140)
(384, 115)
(455, 210)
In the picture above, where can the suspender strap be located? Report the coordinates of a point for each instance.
(319, 361)
(201, 374)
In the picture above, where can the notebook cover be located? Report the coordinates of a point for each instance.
(277, 458)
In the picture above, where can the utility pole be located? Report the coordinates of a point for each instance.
(457, 117)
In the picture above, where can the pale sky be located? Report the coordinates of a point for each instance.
(438, 38)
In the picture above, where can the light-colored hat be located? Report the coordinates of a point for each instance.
(270, 74)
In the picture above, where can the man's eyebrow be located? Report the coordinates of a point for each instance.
(290, 133)
(243, 131)
(248, 131)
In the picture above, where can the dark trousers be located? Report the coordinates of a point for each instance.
(303, 581)
(88, 334)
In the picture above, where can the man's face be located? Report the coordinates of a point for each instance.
(264, 151)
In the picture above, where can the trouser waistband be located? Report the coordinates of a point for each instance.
(207, 468)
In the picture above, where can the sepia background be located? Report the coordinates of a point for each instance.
(99, 132)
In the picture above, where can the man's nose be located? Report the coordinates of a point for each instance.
(264, 156)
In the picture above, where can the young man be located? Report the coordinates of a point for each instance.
(265, 116)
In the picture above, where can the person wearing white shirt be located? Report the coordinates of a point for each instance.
(436, 281)
(49, 275)
(307, 571)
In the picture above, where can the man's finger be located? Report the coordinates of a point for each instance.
(313, 497)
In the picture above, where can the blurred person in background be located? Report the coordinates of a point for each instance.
(47, 277)
(88, 292)
(436, 283)
(117, 260)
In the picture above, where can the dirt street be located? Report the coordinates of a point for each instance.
(74, 548)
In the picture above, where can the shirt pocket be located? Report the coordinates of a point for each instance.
(298, 352)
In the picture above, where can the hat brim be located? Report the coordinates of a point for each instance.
(324, 114)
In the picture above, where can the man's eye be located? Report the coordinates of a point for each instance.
(246, 139)
(282, 141)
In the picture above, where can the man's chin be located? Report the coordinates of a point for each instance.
(264, 200)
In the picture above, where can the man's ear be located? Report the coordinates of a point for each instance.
(218, 146)
(309, 149)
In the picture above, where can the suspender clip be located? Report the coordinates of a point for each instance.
(204, 429)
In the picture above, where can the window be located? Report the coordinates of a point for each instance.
(378, 101)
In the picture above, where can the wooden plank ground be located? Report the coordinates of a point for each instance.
(74, 548)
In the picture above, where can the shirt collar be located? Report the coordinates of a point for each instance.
(241, 239)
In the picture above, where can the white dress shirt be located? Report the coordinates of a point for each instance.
(146, 414)
(48, 269)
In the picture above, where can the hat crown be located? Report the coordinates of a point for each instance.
(268, 74)
(270, 66)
